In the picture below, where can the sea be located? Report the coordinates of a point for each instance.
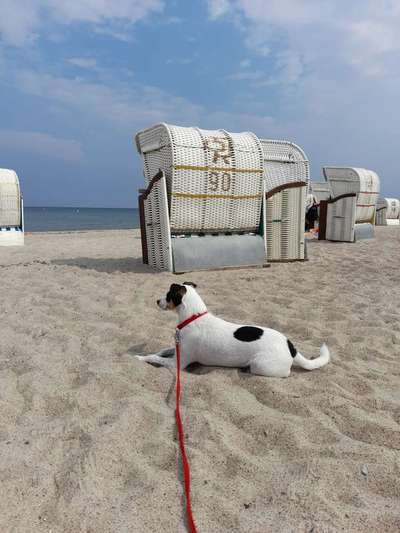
(79, 218)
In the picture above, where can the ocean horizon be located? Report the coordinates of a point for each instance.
(79, 218)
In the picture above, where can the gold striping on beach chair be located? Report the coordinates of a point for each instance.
(11, 209)
(203, 206)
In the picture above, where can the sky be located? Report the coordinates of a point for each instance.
(78, 79)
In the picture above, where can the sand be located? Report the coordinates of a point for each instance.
(87, 432)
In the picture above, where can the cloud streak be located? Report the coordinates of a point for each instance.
(41, 144)
(363, 35)
(22, 21)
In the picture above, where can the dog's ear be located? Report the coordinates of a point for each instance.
(190, 283)
(175, 287)
(175, 294)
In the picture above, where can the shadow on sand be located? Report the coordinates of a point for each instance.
(109, 266)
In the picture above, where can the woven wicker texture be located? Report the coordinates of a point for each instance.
(157, 227)
(10, 199)
(285, 224)
(214, 178)
(284, 162)
(365, 183)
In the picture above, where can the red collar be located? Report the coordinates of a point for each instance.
(190, 319)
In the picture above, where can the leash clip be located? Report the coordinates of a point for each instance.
(177, 336)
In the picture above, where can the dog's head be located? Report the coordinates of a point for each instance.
(176, 295)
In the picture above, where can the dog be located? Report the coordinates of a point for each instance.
(209, 340)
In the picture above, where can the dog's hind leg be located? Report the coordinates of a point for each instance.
(264, 364)
(167, 352)
(155, 358)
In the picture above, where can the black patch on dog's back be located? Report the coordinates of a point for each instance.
(248, 333)
(292, 349)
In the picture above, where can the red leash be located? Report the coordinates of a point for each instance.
(181, 435)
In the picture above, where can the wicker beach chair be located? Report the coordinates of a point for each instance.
(320, 190)
(11, 209)
(203, 205)
(388, 212)
(350, 213)
(287, 176)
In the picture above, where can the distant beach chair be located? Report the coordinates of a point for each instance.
(287, 176)
(388, 212)
(349, 214)
(11, 209)
(203, 206)
(320, 190)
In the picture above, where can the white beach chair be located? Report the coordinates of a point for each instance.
(203, 205)
(350, 213)
(287, 176)
(320, 190)
(11, 209)
(388, 212)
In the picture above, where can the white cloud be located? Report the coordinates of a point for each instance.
(41, 144)
(129, 107)
(22, 20)
(83, 62)
(245, 63)
(278, 12)
(362, 34)
(19, 20)
(246, 75)
(218, 8)
(97, 11)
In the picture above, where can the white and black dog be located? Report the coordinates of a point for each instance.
(209, 340)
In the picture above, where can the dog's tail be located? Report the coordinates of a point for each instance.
(311, 364)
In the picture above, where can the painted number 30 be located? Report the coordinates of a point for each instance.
(219, 182)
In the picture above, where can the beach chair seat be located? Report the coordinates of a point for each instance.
(203, 205)
(287, 175)
(11, 209)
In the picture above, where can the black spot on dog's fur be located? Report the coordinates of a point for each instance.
(248, 333)
(292, 349)
(175, 294)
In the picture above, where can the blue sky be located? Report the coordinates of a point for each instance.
(78, 78)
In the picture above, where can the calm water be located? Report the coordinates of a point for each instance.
(82, 218)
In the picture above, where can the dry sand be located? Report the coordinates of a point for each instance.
(87, 432)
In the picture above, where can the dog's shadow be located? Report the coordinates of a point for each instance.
(195, 368)
(199, 370)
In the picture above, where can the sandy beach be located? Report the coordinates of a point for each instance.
(87, 432)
